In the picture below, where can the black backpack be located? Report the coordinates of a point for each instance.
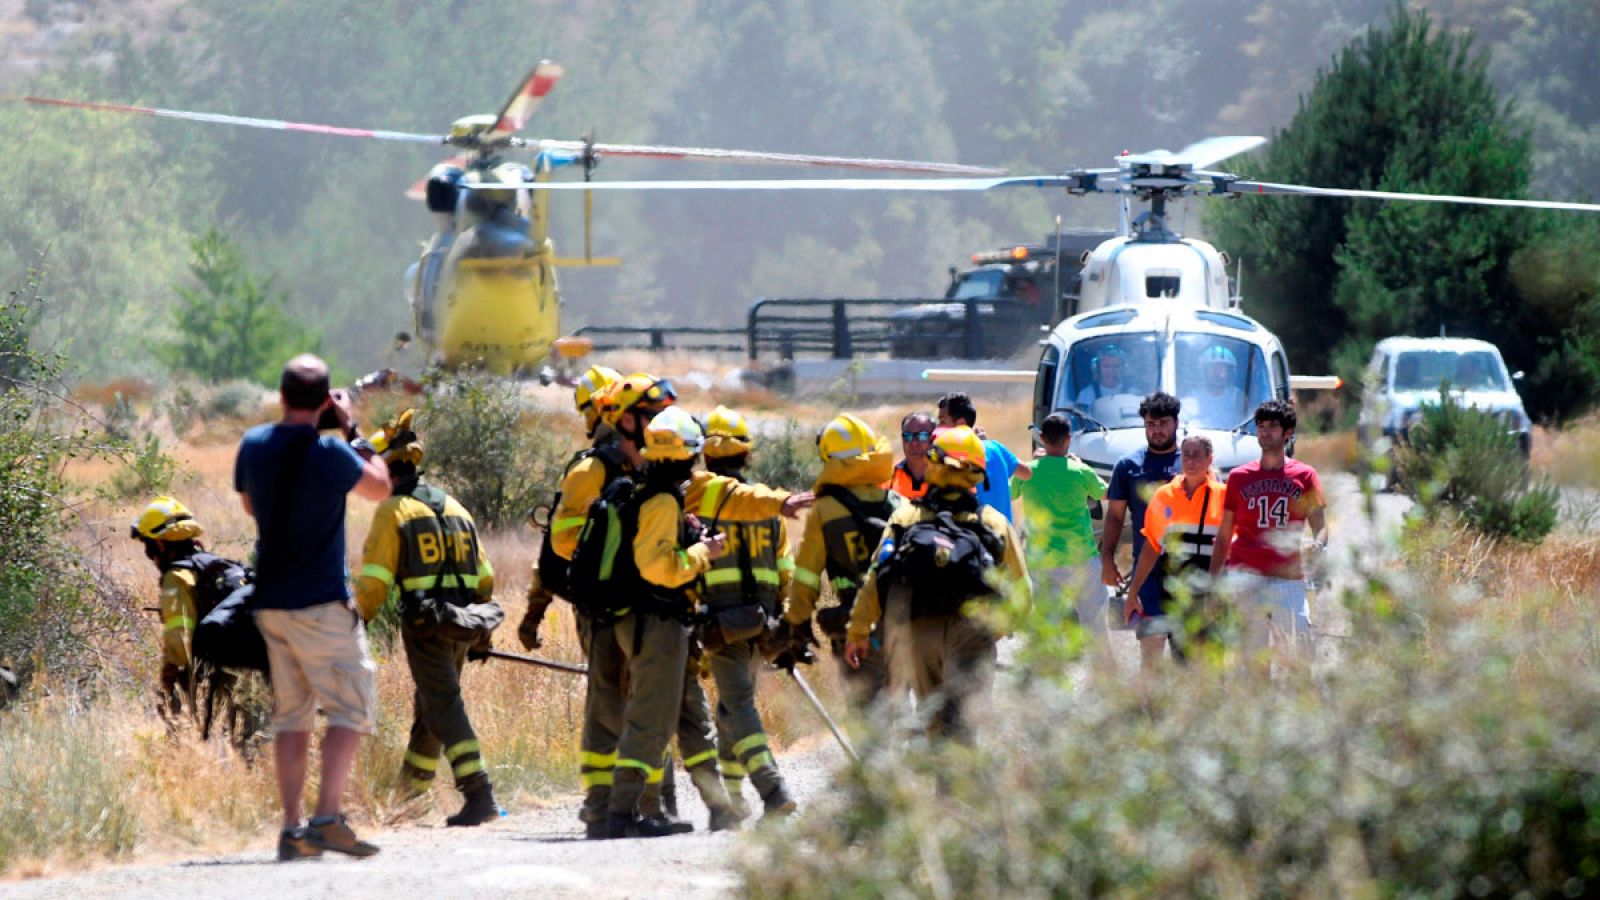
(553, 568)
(215, 578)
(598, 574)
(942, 562)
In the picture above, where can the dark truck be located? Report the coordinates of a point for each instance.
(1013, 292)
(990, 311)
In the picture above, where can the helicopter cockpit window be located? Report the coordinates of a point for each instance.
(1106, 377)
(1221, 380)
(1426, 370)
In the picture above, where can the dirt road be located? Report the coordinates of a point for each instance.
(541, 851)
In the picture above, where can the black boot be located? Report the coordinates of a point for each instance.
(619, 825)
(659, 826)
(479, 808)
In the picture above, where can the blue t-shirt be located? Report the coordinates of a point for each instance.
(1134, 479)
(312, 568)
(998, 464)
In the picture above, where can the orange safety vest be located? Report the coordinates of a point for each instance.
(903, 484)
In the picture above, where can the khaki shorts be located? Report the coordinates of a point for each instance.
(319, 658)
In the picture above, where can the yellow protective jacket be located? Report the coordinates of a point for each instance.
(758, 564)
(1013, 570)
(178, 616)
(405, 551)
(585, 481)
(833, 543)
(659, 551)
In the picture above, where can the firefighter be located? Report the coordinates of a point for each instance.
(662, 558)
(852, 509)
(936, 647)
(423, 547)
(744, 591)
(586, 475)
(169, 533)
(625, 407)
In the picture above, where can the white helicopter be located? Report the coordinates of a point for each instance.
(1162, 302)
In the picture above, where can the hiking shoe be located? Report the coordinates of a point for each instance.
(658, 826)
(778, 804)
(479, 808)
(336, 835)
(293, 844)
(725, 818)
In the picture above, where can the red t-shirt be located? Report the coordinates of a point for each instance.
(1269, 509)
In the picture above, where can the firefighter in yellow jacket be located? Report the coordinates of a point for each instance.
(851, 511)
(938, 646)
(423, 547)
(660, 558)
(743, 596)
(626, 407)
(169, 533)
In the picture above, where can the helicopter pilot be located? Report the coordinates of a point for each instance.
(1219, 403)
(1108, 378)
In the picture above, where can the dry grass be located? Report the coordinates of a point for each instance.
(1569, 456)
(1335, 451)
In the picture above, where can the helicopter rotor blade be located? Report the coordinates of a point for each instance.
(1211, 151)
(244, 121)
(520, 108)
(714, 154)
(928, 185)
(1267, 187)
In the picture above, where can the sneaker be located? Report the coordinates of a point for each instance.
(337, 836)
(293, 844)
(778, 804)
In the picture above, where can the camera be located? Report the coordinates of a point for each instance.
(329, 420)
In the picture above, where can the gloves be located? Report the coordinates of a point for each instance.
(479, 652)
(528, 631)
(799, 641)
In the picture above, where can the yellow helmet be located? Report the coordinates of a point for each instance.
(726, 434)
(396, 442)
(640, 390)
(958, 448)
(588, 390)
(165, 519)
(672, 436)
(846, 437)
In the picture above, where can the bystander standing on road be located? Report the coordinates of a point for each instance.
(294, 482)
(1000, 464)
(1061, 550)
(910, 478)
(1134, 479)
(1265, 511)
(1180, 527)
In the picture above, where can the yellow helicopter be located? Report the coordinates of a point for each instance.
(484, 292)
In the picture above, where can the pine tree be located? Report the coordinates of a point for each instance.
(1408, 107)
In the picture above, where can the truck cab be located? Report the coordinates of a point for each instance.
(1013, 292)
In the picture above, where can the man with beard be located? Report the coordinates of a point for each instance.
(1134, 479)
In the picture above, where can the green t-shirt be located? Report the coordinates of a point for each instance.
(1056, 509)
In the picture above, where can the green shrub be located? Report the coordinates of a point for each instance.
(234, 325)
(233, 400)
(54, 609)
(787, 459)
(1463, 459)
(146, 470)
(1442, 755)
(488, 450)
